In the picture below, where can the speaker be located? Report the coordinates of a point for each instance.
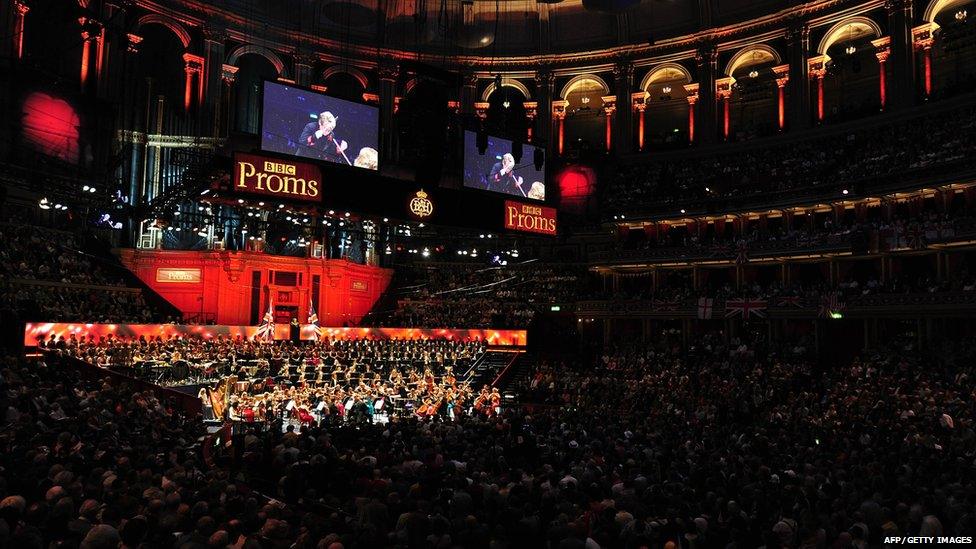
(539, 158)
(481, 140)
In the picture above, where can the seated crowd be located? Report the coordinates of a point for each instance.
(895, 150)
(473, 296)
(715, 445)
(50, 274)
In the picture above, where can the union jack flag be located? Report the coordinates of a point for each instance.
(662, 305)
(313, 320)
(789, 301)
(705, 308)
(745, 307)
(916, 237)
(267, 328)
(830, 304)
(741, 252)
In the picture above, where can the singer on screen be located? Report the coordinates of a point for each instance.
(318, 140)
(503, 179)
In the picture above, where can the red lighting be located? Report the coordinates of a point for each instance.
(576, 186)
(51, 126)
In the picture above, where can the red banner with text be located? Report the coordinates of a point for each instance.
(530, 218)
(273, 177)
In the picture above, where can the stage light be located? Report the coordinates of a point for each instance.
(85, 188)
(682, 210)
(426, 253)
(43, 204)
(707, 190)
(261, 204)
(753, 74)
(239, 201)
(304, 220)
(388, 250)
(347, 214)
(386, 220)
(91, 189)
(844, 191)
(481, 236)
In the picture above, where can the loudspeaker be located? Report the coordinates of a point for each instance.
(539, 158)
(481, 139)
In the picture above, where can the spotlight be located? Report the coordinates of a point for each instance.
(44, 204)
(844, 191)
(682, 210)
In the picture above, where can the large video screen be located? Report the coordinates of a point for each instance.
(313, 125)
(496, 170)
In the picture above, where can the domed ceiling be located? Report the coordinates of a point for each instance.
(497, 27)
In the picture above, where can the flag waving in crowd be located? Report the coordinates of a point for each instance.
(267, 328)
(313, 320)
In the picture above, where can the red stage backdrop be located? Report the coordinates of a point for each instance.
(235, 288)
(34, 332)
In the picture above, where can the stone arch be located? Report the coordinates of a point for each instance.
(859, 24)
(507, 83)
(268, 54)
(577, 80)
(351, 71)
(157, 19)
(650, 77)
(752, 54)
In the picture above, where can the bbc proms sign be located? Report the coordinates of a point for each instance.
(285, 179)
(530, 218)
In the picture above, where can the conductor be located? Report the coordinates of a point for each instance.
(318, 140)
(503, 179)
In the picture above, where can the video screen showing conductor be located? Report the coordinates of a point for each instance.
(304, 123)
(496, 169)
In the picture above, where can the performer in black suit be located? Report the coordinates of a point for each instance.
(318, 140)
(503, 179)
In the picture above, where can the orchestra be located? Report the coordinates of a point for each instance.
(359, 380)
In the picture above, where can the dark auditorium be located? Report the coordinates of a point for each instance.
(472, 274)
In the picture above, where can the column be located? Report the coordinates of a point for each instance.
(388, 75)
(639, 102)
(18, 11)
(798, 43)
(481, 110)
(194, 80)
(111, 59)
(723, 95)
(882, 50)
(212, 77)
(304, 62)
(782, 73)
(923, 40)
(609, 109)
(624, 76)
(531, 113)
(91, 34)
(559, 115)
(817, 70)
(469, 90)
(706, 58)
(692, 98)
(902, 90)
(228, 74)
